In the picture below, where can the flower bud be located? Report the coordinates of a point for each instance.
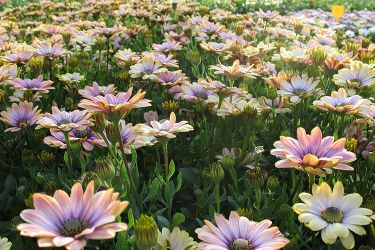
(239, 28)
(256, 177)
(148, 37)
(2, 96)
(99, 122)
(245, 212)
(193, 57)
(170, 106)
(351, 47)
(66, 37)
(74, 61)
(50, 187)
(123, 76)
(100, 44)
(36, 63)
(273, 183)
(318, 55)
(351, 145)
(365, 43)
(105, 169)
(214, 172)
(47, 159)
(228, 162)
(146, 232)
(298, 28)
(111, 133)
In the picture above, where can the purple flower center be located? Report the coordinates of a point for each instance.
(240, 244)
(73, 227)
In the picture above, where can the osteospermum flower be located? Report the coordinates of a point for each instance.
(61, 120)
(147, 68)
(50, 51)
(115, 105)
(63, 221)
(164, 128)
(71, 78)
(235, 71)
(239, 233)
(176, 240)
(269, 15)
(20, 116)
(298, 87)
(96, 90)
(359, 75)
(194, 92)
(171, 78)
(312, 153)
(167, 47)
(333, 213)
(339, 102)
(35, 85)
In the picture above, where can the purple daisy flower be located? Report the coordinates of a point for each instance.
(20, 116)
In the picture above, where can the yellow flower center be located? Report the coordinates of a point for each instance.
(310, 160)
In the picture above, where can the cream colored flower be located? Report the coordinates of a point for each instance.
(333, 213)
(235, 71)
(176, 240)
(359, 75)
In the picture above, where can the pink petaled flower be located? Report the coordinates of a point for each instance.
(147, 68)
(35, 85)
(63, 221)
(240, 233)
(194, 92)
(171, 78)
(150, 116)
(61, 120)
(165, 61)
(55, 140)
(209, 28)
(167, 47)
(20, 57)
(96, 90)
(164, 128)
(20, 116)
(312, 153)
(115, 105)
(50, 51)
(87, 137)
(269, 15)
(235, 71)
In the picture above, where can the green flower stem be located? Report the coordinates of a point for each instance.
(296, 187)
(164, 143)
(311, 180)
(132, 185)
(68, 149)
(217, 196)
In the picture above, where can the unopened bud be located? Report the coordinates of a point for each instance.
(146, 232)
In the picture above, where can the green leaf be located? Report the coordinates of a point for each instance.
(178, 218)
(179, 182)
(172, 169)
(130, 218)
(154, 190)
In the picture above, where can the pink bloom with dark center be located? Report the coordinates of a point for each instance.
(20, 116)
(61, 120)
(240, 233)
(68, 221)
(36, 85)
(96, 90)
(312, 153)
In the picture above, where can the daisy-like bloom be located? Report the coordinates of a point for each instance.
(269, 15)
(167, 47)
(176, 240)
(171, 78)
(126, 57)
(35, 85)
(71, 78)
(147, 68)
(5, 244)
(297, 55)
(339, 102)
(20, 116)
(165, 61)
(333, 213)
(7, 73)
(19, 57)
(275, 81)
(56, 140)
(359, 75)
(50, 51)
(239, 233)
(221, 88)
(194, 92)
(115, 106)
(164, 128)
(235, 71)
(96, 90)
(235, 106)
(279, 105)
(63, 221)
(298, 87)
(61, 120)
(312, 153)
(87, 137)
(218, 48)
(150, 116)
(209, 28)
